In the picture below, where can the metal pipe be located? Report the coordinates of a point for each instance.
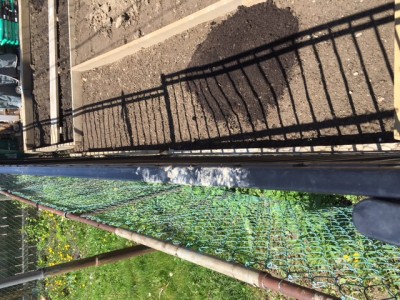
(337, 174)
(94, 261)
(21, 279)
(251, 276)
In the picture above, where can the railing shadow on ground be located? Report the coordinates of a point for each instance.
(41, 128)
(222, 104)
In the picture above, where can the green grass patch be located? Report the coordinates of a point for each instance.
(152, 276)
(160, 276)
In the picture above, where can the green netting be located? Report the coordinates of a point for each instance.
(304, 239)
(17, 254)
(80, 195)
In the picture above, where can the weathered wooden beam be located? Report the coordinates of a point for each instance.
(26, 74)
(53, 148)
(9, 118)
(53, 74)
(76, 91)
(76, 80)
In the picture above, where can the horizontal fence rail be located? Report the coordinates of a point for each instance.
(340, 174)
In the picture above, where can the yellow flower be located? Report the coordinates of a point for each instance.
(346, 258)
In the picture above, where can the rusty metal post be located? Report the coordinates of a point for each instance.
(94, 261)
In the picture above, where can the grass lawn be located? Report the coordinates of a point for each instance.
(159, 276)
(152, 276)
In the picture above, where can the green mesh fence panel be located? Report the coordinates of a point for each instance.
(79, 195)
(17, 255)
(303, 239)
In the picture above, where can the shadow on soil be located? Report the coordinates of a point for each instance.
(228, 100)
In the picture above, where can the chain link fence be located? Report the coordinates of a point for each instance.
(17, 255)
(304, 238)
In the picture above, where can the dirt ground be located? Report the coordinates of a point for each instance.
(104, 25)
(40, 68)
(286, 73)
(64, 72)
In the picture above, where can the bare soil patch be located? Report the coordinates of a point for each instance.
(321, 74)
(248, 29)
(40, 66)
(104, 25)
(64, 78)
